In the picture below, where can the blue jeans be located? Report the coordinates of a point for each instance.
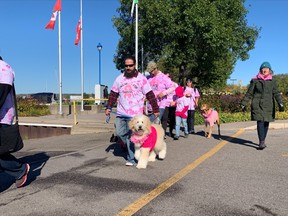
(124, 133)
(178, 123)
(152, 117)
(12, 166)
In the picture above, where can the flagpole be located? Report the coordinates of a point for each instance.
(136, 34)
(60, 63)
(81, 58)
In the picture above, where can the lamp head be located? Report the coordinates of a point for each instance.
(99, 47)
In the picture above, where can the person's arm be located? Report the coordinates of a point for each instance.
(278, 97)
(4, 91)
(111, 101)
(153, 102)
(249, 94)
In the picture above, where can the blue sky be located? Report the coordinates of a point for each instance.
(32, 50)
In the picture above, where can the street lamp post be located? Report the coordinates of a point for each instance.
(99, 47)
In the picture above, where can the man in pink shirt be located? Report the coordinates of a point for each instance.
(130, 89)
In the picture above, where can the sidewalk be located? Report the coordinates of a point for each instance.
(96, 123)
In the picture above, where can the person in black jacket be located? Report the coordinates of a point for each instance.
(263, 90)
(8, 163)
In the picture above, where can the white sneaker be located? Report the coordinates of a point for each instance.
(129, 164)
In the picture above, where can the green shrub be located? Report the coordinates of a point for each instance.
(31, 107)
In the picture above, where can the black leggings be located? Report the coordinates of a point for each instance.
(191, 120)
(262, 129)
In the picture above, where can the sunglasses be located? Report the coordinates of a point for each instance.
(130, 65)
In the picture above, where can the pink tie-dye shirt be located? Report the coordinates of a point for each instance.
(132, 93)
(194, 94)
(181, 103)
(161, 83)
(7, 111)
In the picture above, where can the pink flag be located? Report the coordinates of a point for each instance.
(52, 21)
(57, 6)
(78, 32)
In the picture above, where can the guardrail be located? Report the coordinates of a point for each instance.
(85, 99)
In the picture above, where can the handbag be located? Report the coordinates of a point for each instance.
(10, 137)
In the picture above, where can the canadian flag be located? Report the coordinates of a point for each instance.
(52, 21)
(78, 32)
(57, 7)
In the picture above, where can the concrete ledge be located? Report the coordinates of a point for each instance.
(33, 131)
(271, 126)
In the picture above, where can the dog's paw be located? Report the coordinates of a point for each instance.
(140, 166)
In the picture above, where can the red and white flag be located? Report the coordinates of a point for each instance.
(52, 21)
(57, 7)
(78, 33)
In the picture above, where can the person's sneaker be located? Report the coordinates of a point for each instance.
(262, 145)
(20, 182)
(192, 132)
(186, 135)
(176, 137)
(129, 164)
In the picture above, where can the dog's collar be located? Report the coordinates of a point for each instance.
(136, 140)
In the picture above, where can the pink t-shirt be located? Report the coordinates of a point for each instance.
(171, 96)
(132, 93)
(7, 111)
(161, 83)
(181, 103)
(194, 94)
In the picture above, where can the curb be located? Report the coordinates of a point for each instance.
(271, 126)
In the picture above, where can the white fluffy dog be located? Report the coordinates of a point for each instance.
(148, 139)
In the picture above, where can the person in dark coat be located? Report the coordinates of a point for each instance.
(263, 90)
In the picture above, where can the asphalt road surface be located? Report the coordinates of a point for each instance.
(86, 175)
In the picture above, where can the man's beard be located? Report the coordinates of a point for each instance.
(130, 74)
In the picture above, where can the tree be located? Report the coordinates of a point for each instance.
(282, 82)
(208, 35)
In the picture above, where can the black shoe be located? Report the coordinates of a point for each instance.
(176, 137)
(192, 132)
(262, 145)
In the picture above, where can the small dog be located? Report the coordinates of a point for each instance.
(148, 139)
(211, 117)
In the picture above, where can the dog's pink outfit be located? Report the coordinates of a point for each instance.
(210, 117)
(148, 141)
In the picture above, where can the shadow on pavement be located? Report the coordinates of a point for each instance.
(236, 140)
(36, 162)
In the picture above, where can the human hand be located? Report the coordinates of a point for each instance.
(107, 112)
(281, 108)
(157, 114)
(161, 95)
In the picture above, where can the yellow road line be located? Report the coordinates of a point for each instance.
(285, 155)
(145, 199)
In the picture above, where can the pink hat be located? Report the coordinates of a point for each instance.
(179, 91)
